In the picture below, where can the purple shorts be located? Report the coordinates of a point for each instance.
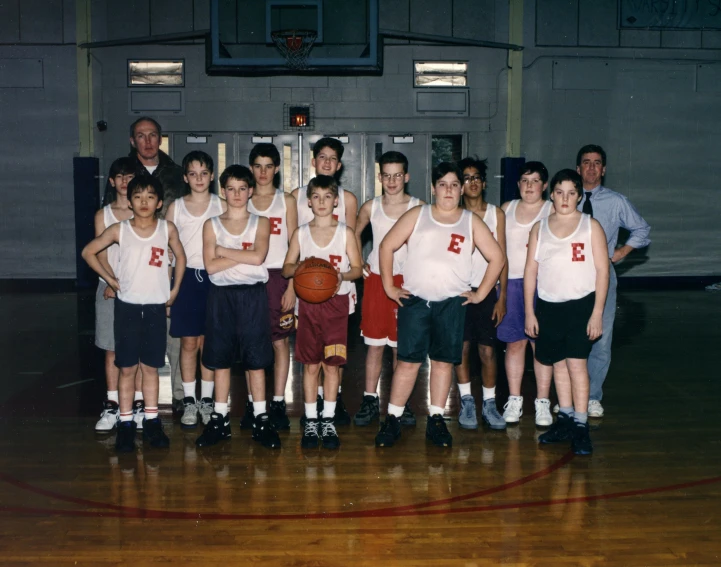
(512, 328)
(282, 323)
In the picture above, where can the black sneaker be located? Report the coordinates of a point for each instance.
(389, 433)
(278, 416)
(329, 434)
(265, 433)
(217, 429)
(559, 432)
(368, 412)
(319, 405)
(581, 441)
(408, 417)
(125, 437)
(154, 434)
(139, 414)
(246, 422)
(437, 431)
(342, 417)
(310, 434)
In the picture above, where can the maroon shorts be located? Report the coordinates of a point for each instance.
(379, 314)
(322, 334)
(282, 323)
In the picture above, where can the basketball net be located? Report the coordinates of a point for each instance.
(295, 46)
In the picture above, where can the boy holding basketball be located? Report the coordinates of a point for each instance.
(142, 291)
(321, 338)
(568, 261)
(436, 288)
(379, 325)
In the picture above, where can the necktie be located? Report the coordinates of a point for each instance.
(587, 206)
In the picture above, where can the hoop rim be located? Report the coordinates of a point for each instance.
(291, 32)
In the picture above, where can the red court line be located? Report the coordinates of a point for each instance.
(159, 514)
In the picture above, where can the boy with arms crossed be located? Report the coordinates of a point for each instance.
(568, 260)
(437, 285)
(379, 325)
(322, 335)
(235, 245)
(187, 317)
(482, 318)
(280, 210)
(521, 215)
(143, 291)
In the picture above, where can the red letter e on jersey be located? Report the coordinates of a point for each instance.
(456, 239)
(274, 225)
(576, 255)
(156, 255)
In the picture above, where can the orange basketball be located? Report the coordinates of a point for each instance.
(315, 280)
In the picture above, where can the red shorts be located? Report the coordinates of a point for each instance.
(322, 334)
(379, 314)
(282, 323)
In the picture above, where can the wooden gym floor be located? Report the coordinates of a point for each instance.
(649, 495)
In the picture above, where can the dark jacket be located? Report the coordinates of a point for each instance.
(170, 175)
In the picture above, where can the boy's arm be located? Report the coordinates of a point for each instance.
(491, 251)
(364, 218)
(351, 209)
(530, 279)
(354, 257)
(601, 263)
(213, 263)
(290, 264)
(256, 255)
(287, 301)
(396, 237)
(170, 213)
(499, 310)
(103, 254)
(180, 260)
(110, 235)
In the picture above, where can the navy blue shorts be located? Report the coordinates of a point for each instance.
(480, 327)
(237, 327)
(140, 334)
(187, 314)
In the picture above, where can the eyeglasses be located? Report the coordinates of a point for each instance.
(472, 179)
(394, 177)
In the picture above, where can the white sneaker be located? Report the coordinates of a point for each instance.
(190, 413)
(556, 408)
(109, 417)
(543, 412)
(513, 410)
(205, 408)
(595, 409)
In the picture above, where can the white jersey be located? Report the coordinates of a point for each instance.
(334, 252)
(305, 214)
(517, 238)
(240, 274)
(565, 265)
(190, 229)
(113, 249)
(143, 265)
(380, 225)
(438, 265)
(277, 216)
(479, 265)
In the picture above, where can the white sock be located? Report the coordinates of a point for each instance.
(138, 396)
(189, 389)
(395, 410)
(489, 393)
(250, 398)
(278, 398)
(374, 394)
(126, 416)
(311, 410)
(329, 409)
(464, 389)
(320, 391)
(113, 396)
(206, 389)
(259, 408)
(151, 413)
(435, 410)
(221, 408)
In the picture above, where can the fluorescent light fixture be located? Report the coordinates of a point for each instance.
(196, 139)
(342, 138)
(258, 139)
(403, 139)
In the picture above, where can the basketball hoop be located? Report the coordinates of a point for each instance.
(295, 46)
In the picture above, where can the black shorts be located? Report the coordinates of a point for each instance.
(140, 334)
(431, 328)
(237, 324)
(480, 328)
(562, 329)
(187, 314)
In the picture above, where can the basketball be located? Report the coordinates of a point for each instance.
(315, 280)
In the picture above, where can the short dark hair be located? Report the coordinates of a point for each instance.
(481, 165)
(443, 169)
(264, 150)
(121, 166)
(322, 182)
(145, 119)
(393, 157)
(531, 167)
(591, 149)
(199, 156)
(140, 183)
(567, 175)
(332, 143)
(239, 172)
